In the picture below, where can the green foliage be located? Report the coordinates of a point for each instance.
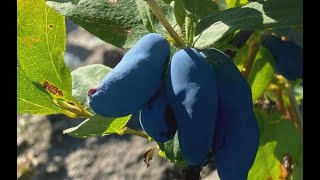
(41, 44)
(179, 12)
(31, 99)
(98, 126)
(171, 150)
(261, 73)
(119, 22)
(278, 137)
(200, 8)
(145, 14)
(251, 16)
(116, 22)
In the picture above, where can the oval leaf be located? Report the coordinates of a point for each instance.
(145, 14)
(261, 73)
(41, 44)
(98, 126)
(252, 16)
(179, 13)
(200, 8)
(171, 150)
(32, 98)
(278, 137)
(85, 78)
(116, 22)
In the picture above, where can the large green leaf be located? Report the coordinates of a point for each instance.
(261, 73)
(200, 8)
(145, 14)
(266, 165)
(32, 98)
(98, 126)
(278, 137)
(41, 44)
(179, 13)
(171, 150)
(168, 11)
(85, 78)
(115, 21)
(252, 16)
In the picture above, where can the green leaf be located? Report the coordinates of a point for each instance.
(236, 3)
(41, 44)
(114, 21)
(261, 73)
(98, 126)
(179, 13)
(200, 8)
(85, 78)
(278, 137)
(32, 98)
(145, 14)
(172, 151)
(266, 165)
(297, 173)
(191, 25)
(252, 16)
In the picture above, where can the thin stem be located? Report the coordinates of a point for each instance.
(84, 112)
(157, 11)
(252, 52)
(127, 130)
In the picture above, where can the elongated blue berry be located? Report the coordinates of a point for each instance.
(288, 56)
(157, 117)
(134, 80)
(192, 93)
(236, 136)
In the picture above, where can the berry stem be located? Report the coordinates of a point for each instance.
(252, 52)
(157, 11)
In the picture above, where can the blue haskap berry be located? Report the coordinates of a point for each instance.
(288, 56)
(134, 80)
(192, 94)
(157, 117)
(236, 136)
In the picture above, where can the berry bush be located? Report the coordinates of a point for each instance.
(213, 81)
